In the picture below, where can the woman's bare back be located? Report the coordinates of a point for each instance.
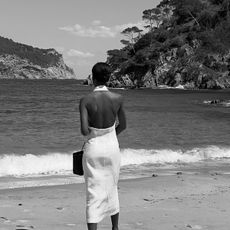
(100, 109)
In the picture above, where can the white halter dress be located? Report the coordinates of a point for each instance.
(101, 164)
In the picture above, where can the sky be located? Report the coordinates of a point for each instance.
(82, 30)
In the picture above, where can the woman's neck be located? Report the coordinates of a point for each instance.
(100, 88)
(99, 85)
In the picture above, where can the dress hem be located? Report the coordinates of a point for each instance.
(100, 219)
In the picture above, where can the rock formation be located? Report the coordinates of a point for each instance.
(13, 67)
(19, 61)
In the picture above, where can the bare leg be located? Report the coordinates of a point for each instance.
(92, 226)
(115, 219)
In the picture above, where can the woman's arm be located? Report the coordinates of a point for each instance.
(121, 118)
(84, 117)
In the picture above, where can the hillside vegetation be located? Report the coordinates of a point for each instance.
(41, 57)
(186, 43)
(27, 62)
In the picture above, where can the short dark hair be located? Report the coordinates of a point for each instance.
(101, 72)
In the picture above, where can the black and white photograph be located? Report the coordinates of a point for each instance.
(114, 115)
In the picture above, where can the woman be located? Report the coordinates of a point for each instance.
(101, 159)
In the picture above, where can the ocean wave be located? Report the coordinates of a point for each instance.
(224, 103)
(170, 87)
(61, 163)
(168, 156)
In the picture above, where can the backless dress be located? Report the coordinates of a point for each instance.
(101, 164)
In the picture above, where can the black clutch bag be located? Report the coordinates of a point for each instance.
(77, 163)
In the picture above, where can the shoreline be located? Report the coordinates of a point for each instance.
(160, 87)
(207, 167)
(185, 199)
(165, 202)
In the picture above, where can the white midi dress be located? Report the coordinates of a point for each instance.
(101, 164)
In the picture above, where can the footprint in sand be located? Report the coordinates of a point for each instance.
(154, 175)
(5, 219)
(197, 227)
(145, 199)
(22, 227)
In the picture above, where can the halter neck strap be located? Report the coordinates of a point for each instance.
(100, 88)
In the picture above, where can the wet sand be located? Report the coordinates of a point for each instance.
(182, 200)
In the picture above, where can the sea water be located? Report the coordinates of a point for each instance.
(40, 129)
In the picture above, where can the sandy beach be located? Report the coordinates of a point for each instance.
(185, 199)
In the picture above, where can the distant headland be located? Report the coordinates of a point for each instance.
(20, 61)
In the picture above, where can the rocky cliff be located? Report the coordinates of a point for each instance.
(19, 61)
(178, 68)
(189, 47)
(14, 67)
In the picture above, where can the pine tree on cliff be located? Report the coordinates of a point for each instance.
(203, 25)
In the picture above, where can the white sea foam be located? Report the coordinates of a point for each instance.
(170, 87)
(165, 156)
(61, 163)
(224, 103)
(28, 164)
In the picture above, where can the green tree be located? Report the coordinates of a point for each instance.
(152, 17)
(116, 57)
(187, 10)
(133, 34)
(182, 33)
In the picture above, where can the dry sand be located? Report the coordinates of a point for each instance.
(181, 201)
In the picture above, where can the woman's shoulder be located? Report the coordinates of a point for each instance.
(91, 97)
(88, 96)
(115, 95)
(86, 99)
